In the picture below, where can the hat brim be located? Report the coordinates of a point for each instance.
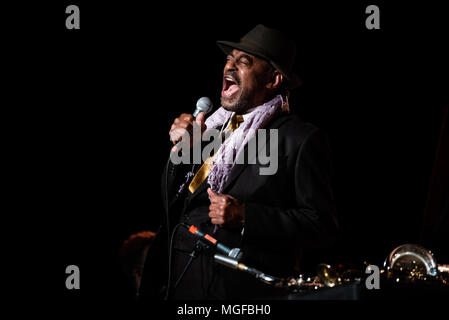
(293, 80)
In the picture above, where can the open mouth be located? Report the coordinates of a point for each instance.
(230, 87)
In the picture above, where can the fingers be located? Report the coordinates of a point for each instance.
(218, 206)
(210, 193)
(217, 198)
(217, 216)
(225, 210)
(177, 133)
(216, 209)
(217, 221)
(200, 120)
(184, 121)
(187, 117)
(183, 126)
(180, 124)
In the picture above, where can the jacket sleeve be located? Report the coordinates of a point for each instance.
(311, 222)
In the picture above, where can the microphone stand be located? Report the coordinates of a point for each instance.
(199, 247)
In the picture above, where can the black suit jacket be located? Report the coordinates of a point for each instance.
(286, 212)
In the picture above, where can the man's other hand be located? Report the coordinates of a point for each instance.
(225, 210)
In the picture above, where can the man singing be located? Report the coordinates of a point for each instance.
(271, 216)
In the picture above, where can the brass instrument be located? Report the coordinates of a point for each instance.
(406, 263)
(334, 276)
(412, 263)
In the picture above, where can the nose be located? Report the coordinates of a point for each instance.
(230, 66)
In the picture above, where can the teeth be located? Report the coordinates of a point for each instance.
(229, 79)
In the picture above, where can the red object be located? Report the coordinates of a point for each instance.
(193, 229)
(208, 237)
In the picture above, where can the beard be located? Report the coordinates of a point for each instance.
(240, 103)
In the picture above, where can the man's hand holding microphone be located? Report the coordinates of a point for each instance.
(184, 124)
(183, 127)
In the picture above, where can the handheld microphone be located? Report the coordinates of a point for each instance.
(204, 104)
(234, 264)
(234, 253)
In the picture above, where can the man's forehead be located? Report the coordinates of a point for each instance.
(238, 53)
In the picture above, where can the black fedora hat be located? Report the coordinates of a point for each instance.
(271, 45)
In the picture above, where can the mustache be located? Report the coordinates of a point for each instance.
(234, 76)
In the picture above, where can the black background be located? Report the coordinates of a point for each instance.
(93, 107)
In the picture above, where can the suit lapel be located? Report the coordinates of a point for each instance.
(238, 168)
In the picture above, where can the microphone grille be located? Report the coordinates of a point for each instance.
(204, 104)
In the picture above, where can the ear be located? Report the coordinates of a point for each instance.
(275, 80)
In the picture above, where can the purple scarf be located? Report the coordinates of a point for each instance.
(231, 148)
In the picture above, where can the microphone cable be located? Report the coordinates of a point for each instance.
(167, 223)
(170, 254)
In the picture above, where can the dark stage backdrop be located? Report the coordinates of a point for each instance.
(103, 98)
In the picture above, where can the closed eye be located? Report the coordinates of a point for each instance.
(246, 60)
